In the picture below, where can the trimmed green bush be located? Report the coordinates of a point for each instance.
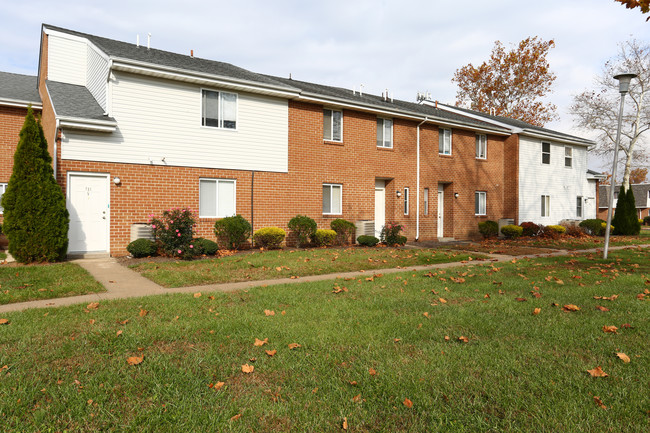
(204, 246)
(304, 228)
(646, 221)
(530, 229)
(594, 227)
(511, 231)
(142, 248)
(232, 231)
(488, 229)
(390, 234)
(557, 229)
(344, 230)
(269, 237)
(174, 232)
(35, 216)
(0, 228)
(324, 237)
(367, 241)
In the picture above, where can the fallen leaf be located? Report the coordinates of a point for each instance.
(597, 372)
(626, 325)
(536, 311)
(623, 357)
(344, 426)
(197, 295)
(447, 338)
(247, 368)
(91, 321)
(356, 398)
(217, 386)
(259, 342)
(571, 307)
(93, 306)
(599, 402)
(612, 329)
(598, 307)
(426, 314)
(143, 312)
(4, 321)
(372, 371)
(269, 312)
(236, 417)
(271, 352)
(520, 299)
(135, 360)
(408, 403)
(294, 346)
(396, 340)
(118, 333)
(463, 339)
(443, 300)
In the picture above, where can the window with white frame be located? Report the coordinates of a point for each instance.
(480, 203)
(444, 141)
(426, 201)
(332, 125)
(332, 198)
(546, 153)
(406, 201)
(481, 146)
(3, 188)
(217, 198)
(568, 156)
(579, 206)
(384, 133)
(546, 205)
(218, 109)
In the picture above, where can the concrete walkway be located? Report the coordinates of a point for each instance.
(121, 282)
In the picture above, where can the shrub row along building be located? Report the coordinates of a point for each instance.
(137, 130)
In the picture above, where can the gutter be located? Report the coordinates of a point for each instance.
(87, 124)
(20, 103)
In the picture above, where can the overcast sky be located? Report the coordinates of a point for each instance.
(405, 46)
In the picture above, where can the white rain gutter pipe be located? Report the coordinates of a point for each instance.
(417, 187)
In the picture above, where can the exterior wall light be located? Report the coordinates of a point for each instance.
(117, 180)
(399, 194)
(456, 195)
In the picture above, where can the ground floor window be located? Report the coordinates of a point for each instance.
(546, 205)
(332, 198)
(579, 206)
(3, 188)
(216, 198)
(426, 201)
(406, 201)
(480, 203)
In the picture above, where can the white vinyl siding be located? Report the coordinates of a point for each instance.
(568, 157)
(406, 201)
(384, 133)
(579, 207)
(161, 119)
(3, 188)
(66, 60)
(546, 206)
(332, 198)
(332, 125)
(426, 201)
(444, 141)
(218, 109)
(480, 203)
(96, 76)
(481, 146)
(546, 153)
(217, 198)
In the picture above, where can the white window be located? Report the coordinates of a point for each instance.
(546, 205)
(579, 206)
(426, 201)
(444, 141)
(3, 188)
(332, 125)
(481, 146)
(480, 203)
(568, 156)
(219, 109)
(406, 201)
(384, 133)
(216, 198)
(332, 198)
(546, 153)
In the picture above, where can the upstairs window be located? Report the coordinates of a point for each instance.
(546, 153)
(332, 125)
(219, 109)
(3, 188)
(568, 156)
(444, 143)
(384, 133)
(480, 203)
(481, 146)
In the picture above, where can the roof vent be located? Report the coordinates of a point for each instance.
(423, 96)
(191, 53)
(137, 41)
(148, 40)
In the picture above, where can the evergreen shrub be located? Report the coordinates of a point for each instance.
(324, 237)
(367, 241)
(594, 227)
(142, 248)
(232, 231)
(304, 228)
(488, 229)
(344, 230)
(511, 231)
(205, 246)
(269, 237)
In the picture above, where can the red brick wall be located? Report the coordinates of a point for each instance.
(355, 163)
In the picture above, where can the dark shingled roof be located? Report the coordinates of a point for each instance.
(640, 191)
(118, 49)
(71, 100)
(19, 87)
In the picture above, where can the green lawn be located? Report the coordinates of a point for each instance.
(290, 263)
(28, 283)
(364, 352)
(3, 255)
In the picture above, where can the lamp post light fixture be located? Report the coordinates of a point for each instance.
(623, 88)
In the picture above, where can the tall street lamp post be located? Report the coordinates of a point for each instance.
(623, 88)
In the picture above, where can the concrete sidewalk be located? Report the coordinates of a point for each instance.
(121, 282)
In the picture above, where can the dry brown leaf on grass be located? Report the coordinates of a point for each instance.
(597, 372)
(143, 312)
(236, 417)
(118, 333)
(293, 346)
(344, 425)
(536, 311)
(4, 321)
(269, 312)
(426, 314)
(372, 371)
(521, 299)
(623, 357)
(607, 298)
(247, 368)
(599, 402)
(259, 342)
(408, 403)
(93, 306)
(611, 329)
(271, 352)
(463, 339)
(197, 295)
(601, 308)
(571, 307)
(135, 360)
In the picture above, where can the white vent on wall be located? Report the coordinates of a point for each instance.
(365, 227)
(141, 231)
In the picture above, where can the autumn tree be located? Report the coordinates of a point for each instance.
(597, 110)
(638, 175)
(511, 83)
(644, 5)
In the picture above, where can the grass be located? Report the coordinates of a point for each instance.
(29, 283)
(66, 368)
(290, 263)
(3, 255)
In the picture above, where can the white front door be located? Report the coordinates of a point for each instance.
(89, 212)
(441, 211)
(380, 206)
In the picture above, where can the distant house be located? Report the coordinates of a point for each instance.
(641, 196)
(17, 92)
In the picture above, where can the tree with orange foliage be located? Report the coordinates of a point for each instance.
(638, 175)
(511, 83)
(644, 5)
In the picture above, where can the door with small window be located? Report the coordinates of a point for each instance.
(88, 205)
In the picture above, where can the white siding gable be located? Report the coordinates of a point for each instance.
(66, 60)
(162, 119)
(96, 75)
(562, 184)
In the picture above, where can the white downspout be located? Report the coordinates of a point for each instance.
(56, 145)
(417, 187)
